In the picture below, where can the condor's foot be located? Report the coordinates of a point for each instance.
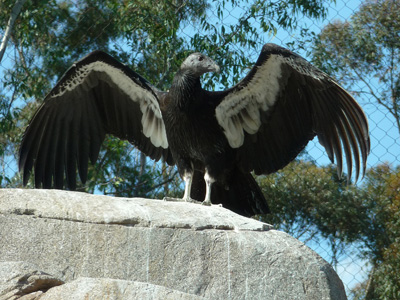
(208, 203)
(190, 200)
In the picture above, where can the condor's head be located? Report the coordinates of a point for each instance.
(197, 64)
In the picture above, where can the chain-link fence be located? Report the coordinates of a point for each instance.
(230, 29)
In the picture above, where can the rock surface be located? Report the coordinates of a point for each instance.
(18, 279)
(105, 288)
(150, 249)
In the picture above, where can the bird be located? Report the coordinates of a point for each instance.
(217, 139)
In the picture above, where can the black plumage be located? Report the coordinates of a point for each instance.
(216, 139)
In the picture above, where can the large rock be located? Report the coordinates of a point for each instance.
(158, 246)
(18, 279)
(105, 288)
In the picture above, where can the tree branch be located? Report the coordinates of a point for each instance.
(393, 92)
(371, 91)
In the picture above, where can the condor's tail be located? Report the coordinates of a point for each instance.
(240, 193)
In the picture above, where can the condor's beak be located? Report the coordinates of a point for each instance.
(211, 66)
(214, 68)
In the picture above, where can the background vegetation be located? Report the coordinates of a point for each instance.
(307, 198)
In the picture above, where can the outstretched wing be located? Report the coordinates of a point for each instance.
(271, 115)
(96, 96)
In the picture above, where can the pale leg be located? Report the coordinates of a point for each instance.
(209, 181)
(188, 177)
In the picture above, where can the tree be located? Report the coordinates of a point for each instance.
(14, 14)
(150, 37)
(381, 236)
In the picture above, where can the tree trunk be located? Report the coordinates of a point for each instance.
(14, 14)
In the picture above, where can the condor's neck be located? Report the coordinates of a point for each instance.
(185, 90)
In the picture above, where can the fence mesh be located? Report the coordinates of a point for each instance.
(350, 265)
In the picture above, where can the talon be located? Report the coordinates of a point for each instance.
(171, 199)
(190, 200)
(206, 202)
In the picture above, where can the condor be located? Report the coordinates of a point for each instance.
(216, 139)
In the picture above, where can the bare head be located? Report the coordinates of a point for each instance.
(198, 64)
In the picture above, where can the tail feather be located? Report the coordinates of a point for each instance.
(240, 193)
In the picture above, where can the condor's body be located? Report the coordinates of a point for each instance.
(216, 139)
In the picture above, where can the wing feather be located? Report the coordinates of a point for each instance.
(84, 141)
(71, 153)
(96, 96)
(60, 156)
(43, 155)
(271, 115)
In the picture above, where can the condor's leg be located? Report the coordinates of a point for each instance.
(188, 178)
(209, 181)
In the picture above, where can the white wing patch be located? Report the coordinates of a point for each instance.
(152, 122)
(240, 110)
